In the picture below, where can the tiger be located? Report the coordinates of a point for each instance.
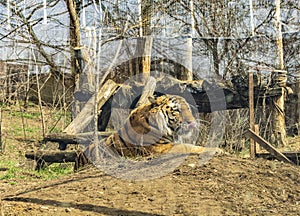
(152, 128)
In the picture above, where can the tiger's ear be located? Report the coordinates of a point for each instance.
(152, 99)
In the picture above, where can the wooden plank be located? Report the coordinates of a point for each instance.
(148, 91)
(262, 142)
(86, 115)
(298, 104)
(256, 130)
(293, 156)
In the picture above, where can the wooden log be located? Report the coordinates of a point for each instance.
(52, 156)
(61, 138)
(148, 91)
(86, 115)
(201, 90)
(44, 158)
(64, 139)
(278, 155)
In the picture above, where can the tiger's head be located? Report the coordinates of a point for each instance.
(163, 118)
(176, 114)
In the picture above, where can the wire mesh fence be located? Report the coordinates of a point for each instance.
(227, 38)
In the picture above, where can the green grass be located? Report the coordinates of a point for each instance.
(61, 115)
(12, 166)
(28, 115)
(54, 171)
(14, 172)
(12, 169)
(19, 130)
(55, 130)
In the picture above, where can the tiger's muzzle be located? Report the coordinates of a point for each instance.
(186, 127)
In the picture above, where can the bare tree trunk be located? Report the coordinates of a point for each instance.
(75, 46)
(74, 34)
(146, 42)
(278, 120)
(188, 74)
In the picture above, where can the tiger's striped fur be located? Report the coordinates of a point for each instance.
(151, 128)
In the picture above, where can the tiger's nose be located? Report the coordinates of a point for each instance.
(192, 124)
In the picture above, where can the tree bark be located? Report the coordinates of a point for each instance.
(146, 42)
(75, 47)
(74, 34)
(188, 74)
(278, 121)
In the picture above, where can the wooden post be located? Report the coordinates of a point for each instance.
(298, 104)
(278, 121)
(251, 17)
(146, 55)
(188, 72)
(251, 114)
(146, 14)
(279, 35)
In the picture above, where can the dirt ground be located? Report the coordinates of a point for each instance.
(225, 185)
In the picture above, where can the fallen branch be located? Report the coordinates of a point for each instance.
(86, 115)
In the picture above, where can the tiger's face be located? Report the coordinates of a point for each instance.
(176, 114)
(163, 120)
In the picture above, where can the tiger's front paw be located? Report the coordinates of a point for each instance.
(214, 151)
